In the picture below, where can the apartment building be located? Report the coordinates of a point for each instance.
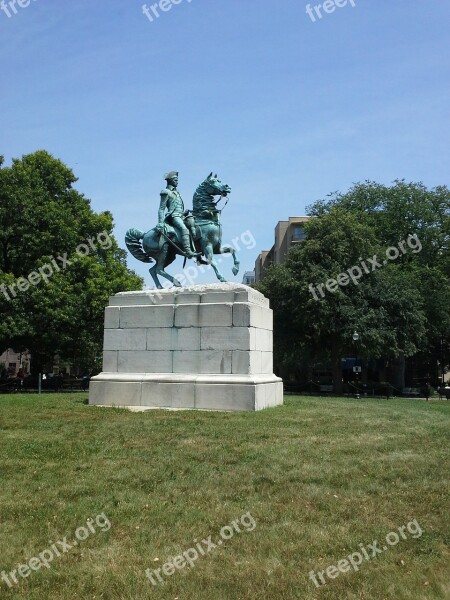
(287, 235)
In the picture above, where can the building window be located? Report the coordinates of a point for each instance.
(299, 233)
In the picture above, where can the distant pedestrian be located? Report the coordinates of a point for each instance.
(85, 382)
(21, 376)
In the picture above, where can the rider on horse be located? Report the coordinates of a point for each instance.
(176, 216)
(162, 243)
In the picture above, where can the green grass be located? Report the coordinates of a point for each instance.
(319, 476)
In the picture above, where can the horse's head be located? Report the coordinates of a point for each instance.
(215, 187)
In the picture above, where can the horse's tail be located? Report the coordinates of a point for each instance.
(133, 240)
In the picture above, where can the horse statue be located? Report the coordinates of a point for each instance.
(164, 247)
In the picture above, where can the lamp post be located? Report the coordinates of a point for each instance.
(355, 337)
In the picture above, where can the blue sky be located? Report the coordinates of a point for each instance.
(285, 109)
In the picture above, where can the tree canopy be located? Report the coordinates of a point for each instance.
(59, 263)
(399, 304)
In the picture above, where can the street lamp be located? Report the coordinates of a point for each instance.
(442, 361)
(355, 337)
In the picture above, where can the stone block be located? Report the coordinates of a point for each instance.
(145, 297)
(159, 338)
(268, 395)
(145, 362)
(168, 395)
(250, 315)
(112, 314)
(214, 362)
(188, 298)
(233, 397)
(251, 296)
(246, 362)
(263, 340)
(218, 297)
(125, 339)
(110, 361)
(216, 315)
(185, 338)
(114, 393)
(224, 338)
(187, 315)
(266, 362)
(146, 316)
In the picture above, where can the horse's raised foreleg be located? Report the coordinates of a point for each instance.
(232, 251)
(209, 255)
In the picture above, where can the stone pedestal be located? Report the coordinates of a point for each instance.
(202, 347)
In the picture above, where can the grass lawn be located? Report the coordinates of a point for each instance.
(319, 476)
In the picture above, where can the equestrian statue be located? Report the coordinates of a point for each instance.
(194, 234)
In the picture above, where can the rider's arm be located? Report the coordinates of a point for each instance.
(162, 208)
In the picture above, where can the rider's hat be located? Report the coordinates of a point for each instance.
(170, 175)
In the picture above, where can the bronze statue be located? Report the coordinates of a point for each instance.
(171, 237)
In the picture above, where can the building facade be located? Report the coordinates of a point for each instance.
(11, 361)
(287, 235)
(249, 278)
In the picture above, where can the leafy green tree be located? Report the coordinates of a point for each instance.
(46, 224)
(395, 212)
(384, 306)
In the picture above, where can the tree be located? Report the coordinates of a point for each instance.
(384, 305)
(46, 225)
(397, 211)
(394, 213)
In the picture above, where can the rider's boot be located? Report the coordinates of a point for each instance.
(186, 244)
